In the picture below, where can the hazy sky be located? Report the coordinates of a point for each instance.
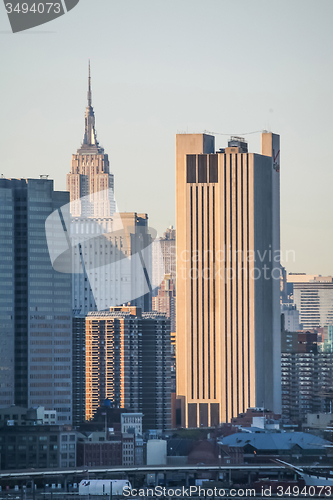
(161, 67)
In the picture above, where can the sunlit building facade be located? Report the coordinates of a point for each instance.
(128, 362)
(228, 302)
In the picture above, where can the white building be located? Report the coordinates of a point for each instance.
(131, 422)
(156, 452)
(314, 300)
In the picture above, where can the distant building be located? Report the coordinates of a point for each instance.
(111, 262)
(165, 300)
(319, 421)
(18, 416)
(289, 318)
(230, 455)
(156, 452)
(94, 450)
(156, 371)
(283, 286)
(36, 310)
(263, 447)
(293, 278)
(128, 449)
(247, 419)
(128, 362)
(131, 422)
(204, 452)
(306, 377)
(314, 300)
(164, 259)
(297, 278)
(329, 340)
(38, 447)
(79, 368)
(298, 342)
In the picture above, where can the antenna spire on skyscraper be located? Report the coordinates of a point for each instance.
(90, 136)
(89, 86)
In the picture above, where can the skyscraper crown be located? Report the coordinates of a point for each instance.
(90, 143)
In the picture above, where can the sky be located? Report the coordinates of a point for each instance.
(158, 68)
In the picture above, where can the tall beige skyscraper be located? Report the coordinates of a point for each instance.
(228, 278)
(90, 172)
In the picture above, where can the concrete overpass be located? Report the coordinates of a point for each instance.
(145, 469)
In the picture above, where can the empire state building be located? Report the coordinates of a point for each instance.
(90, 175)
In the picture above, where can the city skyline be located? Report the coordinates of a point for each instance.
(290, 94)
(166, 278)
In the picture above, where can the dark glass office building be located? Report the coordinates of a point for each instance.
(35, 306)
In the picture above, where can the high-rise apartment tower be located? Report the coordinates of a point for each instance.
(128, 361)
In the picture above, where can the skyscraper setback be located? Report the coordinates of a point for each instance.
(228, 243)
(111, 254)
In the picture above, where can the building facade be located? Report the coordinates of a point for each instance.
(156, 371)
(165, 300)
(36, 312)
(290, 318)
(164, 259)
(307, 377)
(95, 450)
(314, 300)
(112, 361)
(131, 422)
(228, 278)
(111, 262)
(78, 368)
(128, 362)
(37, 447)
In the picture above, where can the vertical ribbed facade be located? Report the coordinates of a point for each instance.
(224, 308)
